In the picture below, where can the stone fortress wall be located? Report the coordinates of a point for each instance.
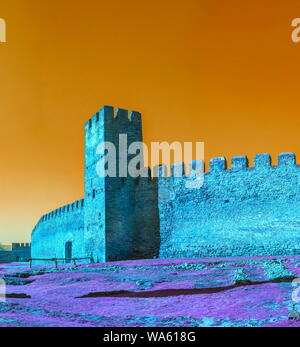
(16, 252)
(56, 228)
(239, 211)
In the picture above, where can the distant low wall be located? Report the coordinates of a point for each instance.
(6, 257)
(237, 212)
(17, 252)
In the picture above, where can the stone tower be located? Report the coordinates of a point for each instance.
(120, 214)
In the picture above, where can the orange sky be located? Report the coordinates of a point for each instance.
(223, 72)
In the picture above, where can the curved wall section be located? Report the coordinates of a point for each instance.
(55, 229)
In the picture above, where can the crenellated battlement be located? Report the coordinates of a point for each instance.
(110, 115)
(219, 165)
(262, 161)
(70, 208)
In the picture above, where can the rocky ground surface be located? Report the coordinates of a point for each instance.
(253, 291)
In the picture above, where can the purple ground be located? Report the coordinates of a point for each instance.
(175, 292)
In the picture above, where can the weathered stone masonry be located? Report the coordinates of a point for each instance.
(118, 219)
(54, 229)
(237, 212)
(241, 211)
